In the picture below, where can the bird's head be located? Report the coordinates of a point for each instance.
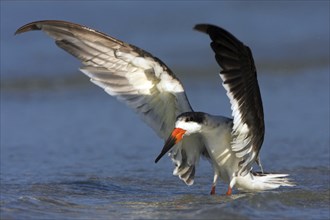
(186, 124)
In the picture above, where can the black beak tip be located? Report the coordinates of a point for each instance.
(170, 142)
(159, 157)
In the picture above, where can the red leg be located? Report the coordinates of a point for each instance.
(212, 190)
(215, 179)
(229, 191)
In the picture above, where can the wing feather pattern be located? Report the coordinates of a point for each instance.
(134, 77)
(240, 81)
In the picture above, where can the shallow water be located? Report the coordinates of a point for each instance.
(73, 152)
(69, 151)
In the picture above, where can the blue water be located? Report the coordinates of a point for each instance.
(70, 151)
(76, 153)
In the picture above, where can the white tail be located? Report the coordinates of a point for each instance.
(254, 182)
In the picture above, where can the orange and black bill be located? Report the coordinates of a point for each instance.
(174, 138)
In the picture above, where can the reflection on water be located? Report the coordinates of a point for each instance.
(105, 198)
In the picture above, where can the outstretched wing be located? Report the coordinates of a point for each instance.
(130, 74)
(240, 81)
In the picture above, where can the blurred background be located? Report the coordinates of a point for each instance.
(69, 150)
(282, 34)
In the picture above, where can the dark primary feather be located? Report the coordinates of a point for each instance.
(240, 80)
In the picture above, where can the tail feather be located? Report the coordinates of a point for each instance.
(254, 182)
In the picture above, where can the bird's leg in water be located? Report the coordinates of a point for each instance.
(229, 191)
(215, 179)
(212, 190)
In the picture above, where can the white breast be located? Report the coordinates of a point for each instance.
(218, 144)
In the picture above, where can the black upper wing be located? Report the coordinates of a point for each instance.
(240, 81)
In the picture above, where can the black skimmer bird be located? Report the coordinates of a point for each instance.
(148, 86)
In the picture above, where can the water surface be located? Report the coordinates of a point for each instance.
(70, 151)
(76, 153)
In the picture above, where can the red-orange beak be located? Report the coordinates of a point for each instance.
(174, 138)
